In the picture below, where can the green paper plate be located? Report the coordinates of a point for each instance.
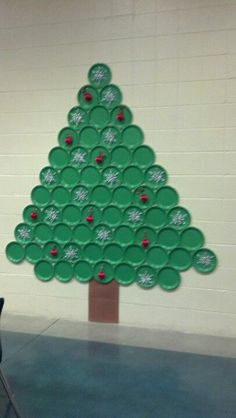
(82, 234)
(146, 233)
(33, 253)
(15, 252)
(99, 117)
(48, 247)
(167, 197)
(157, 257)
(143, 156)
(88, 97)
(110, 136)
(101, 195)
(146, 277)
(80, 195)
(168, 238)
(93, 252)
(69, 177)
(102, 234)
(63, 271)
(142, 193)
(99, 75)
(135, 255)
(180, 259)
(58, 158)
(24, 233)
(42, 233)
(155, 217)
(124, 274)
(113, 253)
(49, 177)
(67, 138)
(124, 235)
(179, 218)
(40, 196)
(60, 196)
(32, 215)
(91, 210)
(77, 117)
(44, 270)
(79, 157)
(71, 215)
(105, 268)
(111, 177)
(120, 156)
(100, 152)
(168, 278)
(192, 239)
(90, 176)
(83, 271)
(133, 216)
(71, 253)
(112, 216)
(110, 96)
(51, 215)
(122, 196)
(132, 136)
(62, 233)
(89, 137)
(132, 176)
(126, 114)
(156, 176)
(204, 261)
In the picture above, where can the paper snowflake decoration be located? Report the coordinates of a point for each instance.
(145, 278)
(134, 215)
(109, 96)
(79, 157)
(49, 176)
(204, 259)
(110, 137)
(98, 74)
(51, 215)
(71, 253)
(24, 233)
(103, 234)
(80, 195)
(111, 177)
(156, 176)
(76, 118)
(178, 218)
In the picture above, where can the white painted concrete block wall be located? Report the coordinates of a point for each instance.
(175, 61)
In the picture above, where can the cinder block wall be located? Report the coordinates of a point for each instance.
(175, 61)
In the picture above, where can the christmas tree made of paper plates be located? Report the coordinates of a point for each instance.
(103, 209)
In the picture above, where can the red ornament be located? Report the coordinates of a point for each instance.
(87, 96)
(33, 215)
(53, 252)
(143, 197)
(68, 140)
(99, 159)
(89, 218)
(101, 275)
(120, 116)
(145, 242)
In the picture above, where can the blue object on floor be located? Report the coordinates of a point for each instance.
(65, 378)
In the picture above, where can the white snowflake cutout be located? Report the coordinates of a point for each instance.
(98, 74)
(178, 218)
(111, 177)
(76, 118)
(49, 176)
(103, 234)
(71, 253)
(156, 175)
(145, 278)
(134, 215)
(24, 232)
(204, 259)
(51, 215)
(79, 157)
(109, 96)
(109, 137)
(80, 195)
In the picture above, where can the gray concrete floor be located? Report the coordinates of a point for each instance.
(118, 334)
